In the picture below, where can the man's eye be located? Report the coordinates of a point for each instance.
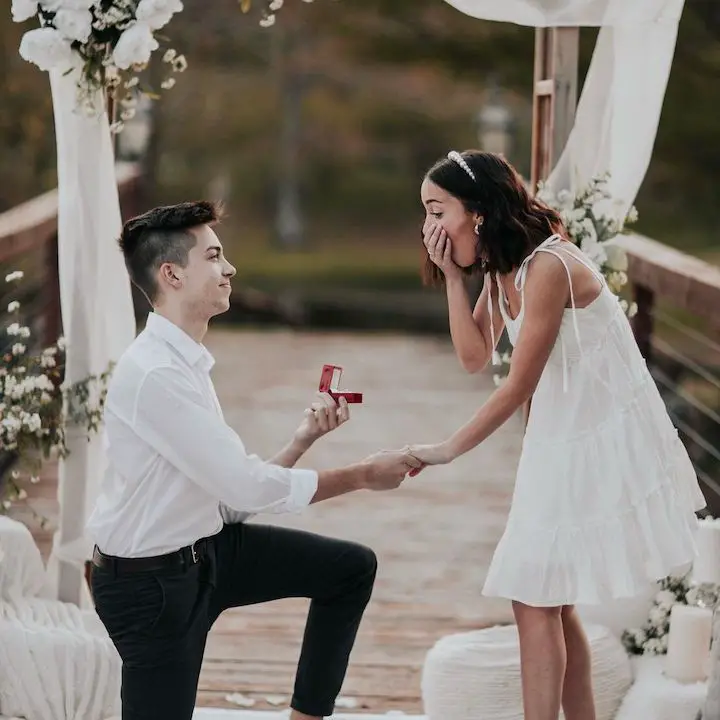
(436, 215)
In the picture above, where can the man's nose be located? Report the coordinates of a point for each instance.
(229, 270)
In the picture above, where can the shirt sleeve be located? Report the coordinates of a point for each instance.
(169, 414)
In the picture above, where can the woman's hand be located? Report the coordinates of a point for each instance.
(323, 416)
(437, 454)
(439, 249)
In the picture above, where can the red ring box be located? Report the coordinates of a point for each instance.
(330, 383)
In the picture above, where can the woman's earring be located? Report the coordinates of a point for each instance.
(477, 226)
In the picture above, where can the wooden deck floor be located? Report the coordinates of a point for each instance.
(434, 537)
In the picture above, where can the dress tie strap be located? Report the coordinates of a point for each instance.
(495, 354)
(550, 246)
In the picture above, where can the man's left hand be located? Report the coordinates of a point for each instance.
(323, 416)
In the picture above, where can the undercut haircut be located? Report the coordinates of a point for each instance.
(163, 235)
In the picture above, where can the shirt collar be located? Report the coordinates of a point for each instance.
(193, 352)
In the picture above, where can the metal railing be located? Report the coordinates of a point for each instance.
(678, 330)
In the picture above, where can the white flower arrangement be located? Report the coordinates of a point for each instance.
(593, 230)
(110, 41)
(652, 637)
(35, 406)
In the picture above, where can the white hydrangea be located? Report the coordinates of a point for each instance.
(135, 46)
(74, 24)
(23, 10)
(157, 13)
(49, 49)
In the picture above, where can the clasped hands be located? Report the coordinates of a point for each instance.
(326, 415)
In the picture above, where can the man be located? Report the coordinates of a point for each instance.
(172, 551)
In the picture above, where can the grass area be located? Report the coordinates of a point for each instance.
(355, 267)
(353, 259)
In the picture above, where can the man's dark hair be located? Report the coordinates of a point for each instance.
(163, 235)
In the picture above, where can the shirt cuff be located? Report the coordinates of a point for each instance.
(303, 486)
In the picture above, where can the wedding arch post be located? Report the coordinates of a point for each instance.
(555, 84)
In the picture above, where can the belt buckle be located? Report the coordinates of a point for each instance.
(193, 553)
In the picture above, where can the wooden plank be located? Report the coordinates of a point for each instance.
(687, 282)
(554, 97)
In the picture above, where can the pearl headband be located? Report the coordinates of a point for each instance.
(456, 157)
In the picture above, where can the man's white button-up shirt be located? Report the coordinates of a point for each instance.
(173, 462)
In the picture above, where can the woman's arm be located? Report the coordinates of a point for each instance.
(546, 294)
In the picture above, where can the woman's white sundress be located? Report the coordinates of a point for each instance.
(605, 494)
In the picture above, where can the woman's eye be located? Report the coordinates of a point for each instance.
(436, 215)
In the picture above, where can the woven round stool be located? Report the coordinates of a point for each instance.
(476, 675)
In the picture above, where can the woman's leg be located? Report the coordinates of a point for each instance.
(542, 659)
(577, 697)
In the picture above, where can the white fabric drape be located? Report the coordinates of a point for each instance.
(621, 101)
(96, 302)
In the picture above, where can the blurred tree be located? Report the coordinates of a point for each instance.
(376, 90)
(27, 162)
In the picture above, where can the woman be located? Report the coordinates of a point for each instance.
(605, 493)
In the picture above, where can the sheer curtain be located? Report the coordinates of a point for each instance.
(96, 303)
(621, 101)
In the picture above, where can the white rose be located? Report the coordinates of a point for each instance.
(640, 636)
(48, 49)
(157, 13)
(74, 24)
(578, 214)
(617, 258)
(23, 10)
(135, 46)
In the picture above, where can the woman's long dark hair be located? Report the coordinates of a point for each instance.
(514, 222)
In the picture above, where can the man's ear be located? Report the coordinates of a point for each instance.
(171, 274)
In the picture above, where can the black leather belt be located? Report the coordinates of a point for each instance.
(180, 559)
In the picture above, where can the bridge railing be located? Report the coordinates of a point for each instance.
(28, 243)
(677, 327)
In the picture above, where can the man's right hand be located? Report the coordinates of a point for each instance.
(388, 468)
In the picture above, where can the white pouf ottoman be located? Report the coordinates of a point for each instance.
(56, 663)
(476, 675)
(656, 697)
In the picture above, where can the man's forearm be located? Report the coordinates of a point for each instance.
(290, 454)
(333, 483)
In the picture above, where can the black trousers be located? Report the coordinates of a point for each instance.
(159, 621)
